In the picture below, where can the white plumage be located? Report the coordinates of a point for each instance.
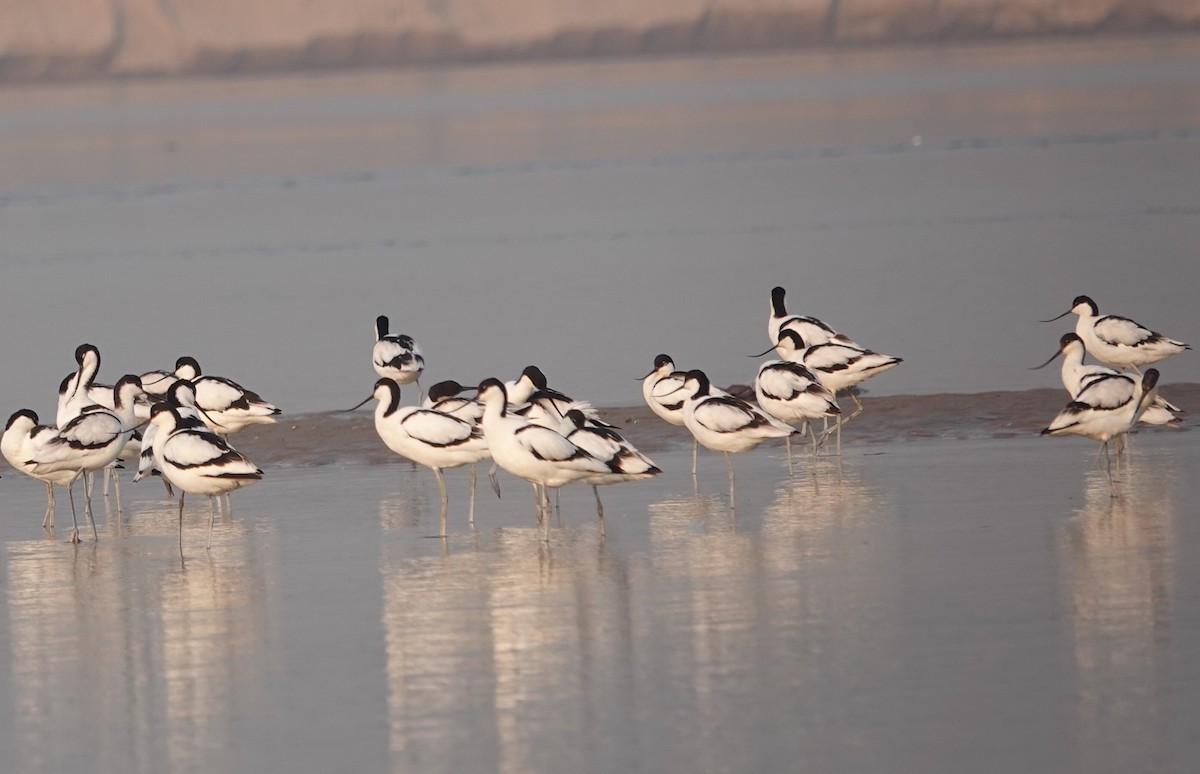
(664, 393)
(79, 388)
(25, 444)
(610, 447)
(793, 394)
(838, 366)
(197, 461)
(226, 405)
(663, 390)
(810, 329)
(530, 396)
(1106, 409)
(93, 439)
(396, 356)
(724, 423)
(540, 455)
(428, 436)
(1076, 375)
(447, 397)
(1119, 341)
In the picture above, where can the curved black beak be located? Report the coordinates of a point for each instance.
(760, 354)
(1048, 362)
(1052, 319)
(360, 405)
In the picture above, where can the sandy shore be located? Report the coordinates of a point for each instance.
(85, 39)
(337, 437)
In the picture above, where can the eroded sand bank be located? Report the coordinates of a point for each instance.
(326, 437)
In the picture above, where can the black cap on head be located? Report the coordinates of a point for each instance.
(189, 361)
(445, 389)
(32, 415)
(536, 376)
(82, 350)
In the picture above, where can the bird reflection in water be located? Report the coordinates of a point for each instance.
(186, 647)
(1118, 561)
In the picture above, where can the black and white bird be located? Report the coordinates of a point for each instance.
(157, 383)
(92, 441)
(540, 455)
(531, 397)
(225, 405)
(182, 397)
(810, 329)
(520, 389)
(1106, 409)
(1076, 375)
(608, 446)
(449, 397)
(396, 356)
(1118, 341)
(838, 366)
(794, 395)
(429, 437)
(24, 444)
(723, 423)
(79, 388)
(197, 461)
(664, 393)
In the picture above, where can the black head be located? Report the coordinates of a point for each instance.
(777, 303)
(701, 378)
(497, 386)
(391, 384)
(1064, 342)
(381, 326)
(159, 408)
(577, 418)
(127, 383)
(535, 375)
(386, 389)
(490, 382)
(178, 387)
(1149, 379)
(1085, 300)
(187, 361)
(443, 390)
(82, 350)
(27, 413)
(663, 360)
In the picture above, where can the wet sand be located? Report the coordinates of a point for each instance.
(338, 437)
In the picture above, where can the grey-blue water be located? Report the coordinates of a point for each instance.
(934, 606)
(585, 217)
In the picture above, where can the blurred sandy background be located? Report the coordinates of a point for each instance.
(42, 39)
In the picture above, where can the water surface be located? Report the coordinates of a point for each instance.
(587, 216)
(939, 605)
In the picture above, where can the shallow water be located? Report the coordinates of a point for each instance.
(586, 216)
(952, 606)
